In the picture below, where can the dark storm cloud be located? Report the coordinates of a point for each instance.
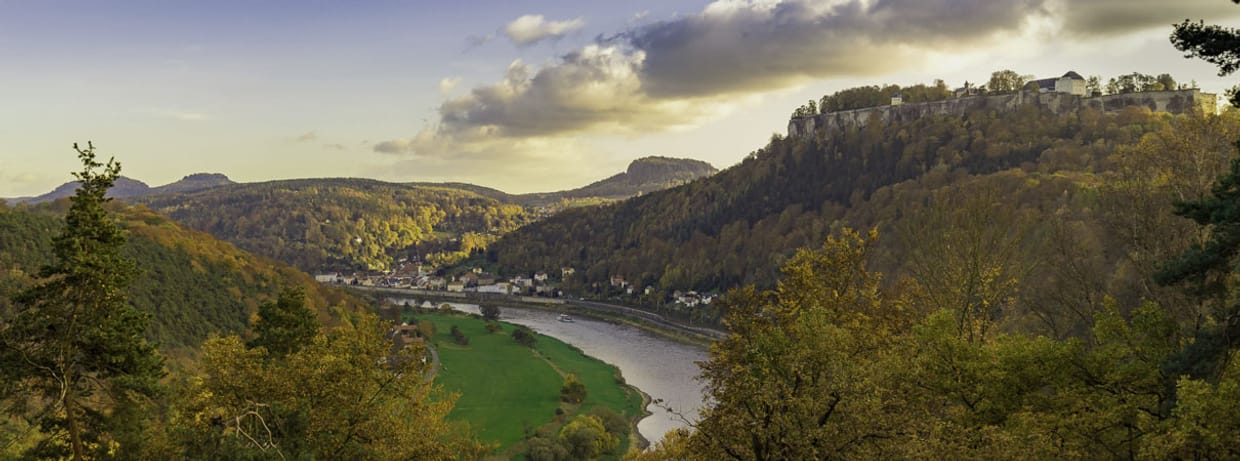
(1093, 18)
(754, 47)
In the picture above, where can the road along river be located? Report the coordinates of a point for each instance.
(662, 368)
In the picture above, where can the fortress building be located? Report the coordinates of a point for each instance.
(1062, 95)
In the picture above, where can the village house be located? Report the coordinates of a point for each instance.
(617, 281)
(540, 277)
(566, 272)
(327, 278)
(689, 299)
(522, 281)
(436, 283)
(457, 286)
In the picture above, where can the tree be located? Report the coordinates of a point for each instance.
(573, 390)
(489, 311)
(1005, 81)
(523, 337)
(344, 395)
(1215, 44)
(966, 255)
(1167, 82)
(1208, 268)
(586, 438)
(458, 336)
(286, 324)
(1093, 85)
(799, 376)
(74, 345)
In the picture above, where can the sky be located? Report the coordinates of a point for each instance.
(524, 96)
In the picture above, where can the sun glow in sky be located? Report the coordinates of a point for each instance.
(522, 96)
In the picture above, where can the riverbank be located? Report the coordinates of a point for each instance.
(510, 393)
(646, 321)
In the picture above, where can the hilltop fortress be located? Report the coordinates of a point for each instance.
(1064, 95)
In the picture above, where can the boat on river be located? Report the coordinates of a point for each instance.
(565, 318)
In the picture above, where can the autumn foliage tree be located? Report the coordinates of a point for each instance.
(796, 379)
(344, 394)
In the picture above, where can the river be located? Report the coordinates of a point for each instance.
(662, 368)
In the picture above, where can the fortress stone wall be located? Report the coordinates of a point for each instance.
(1175, 102)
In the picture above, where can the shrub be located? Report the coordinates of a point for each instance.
(524, 337)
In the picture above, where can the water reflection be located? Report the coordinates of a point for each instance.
(662, 368)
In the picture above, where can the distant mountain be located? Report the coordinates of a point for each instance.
(127, 188)
(192, 183)
(643, 176)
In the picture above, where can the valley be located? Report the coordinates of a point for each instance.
(438, 231)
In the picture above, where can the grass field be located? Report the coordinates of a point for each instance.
(505, 388)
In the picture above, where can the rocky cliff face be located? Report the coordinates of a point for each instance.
(1175, 102)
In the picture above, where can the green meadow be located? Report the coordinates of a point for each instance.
(508, 390)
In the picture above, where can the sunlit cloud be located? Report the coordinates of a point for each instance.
(447, 84)
(533, 28)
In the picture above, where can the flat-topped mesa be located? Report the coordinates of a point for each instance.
(1062, 96)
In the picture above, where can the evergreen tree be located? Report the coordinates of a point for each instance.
(1207, 268)
(73, 353)
(285, 325)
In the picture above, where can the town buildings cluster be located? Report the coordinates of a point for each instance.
(415, 276)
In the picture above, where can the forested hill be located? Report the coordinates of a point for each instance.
(343, 224)
(738, 226)
(192, 284)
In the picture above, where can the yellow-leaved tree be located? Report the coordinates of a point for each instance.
(343, 394)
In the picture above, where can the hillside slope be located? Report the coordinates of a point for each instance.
(738, 226)
(192, 284)
(343, 224)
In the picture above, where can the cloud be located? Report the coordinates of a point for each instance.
(1096, 18)
(334, 146)
(533, 28)
(395, 146)
(475, 41)
(735, 46)
(447, 84)
(308, 136)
